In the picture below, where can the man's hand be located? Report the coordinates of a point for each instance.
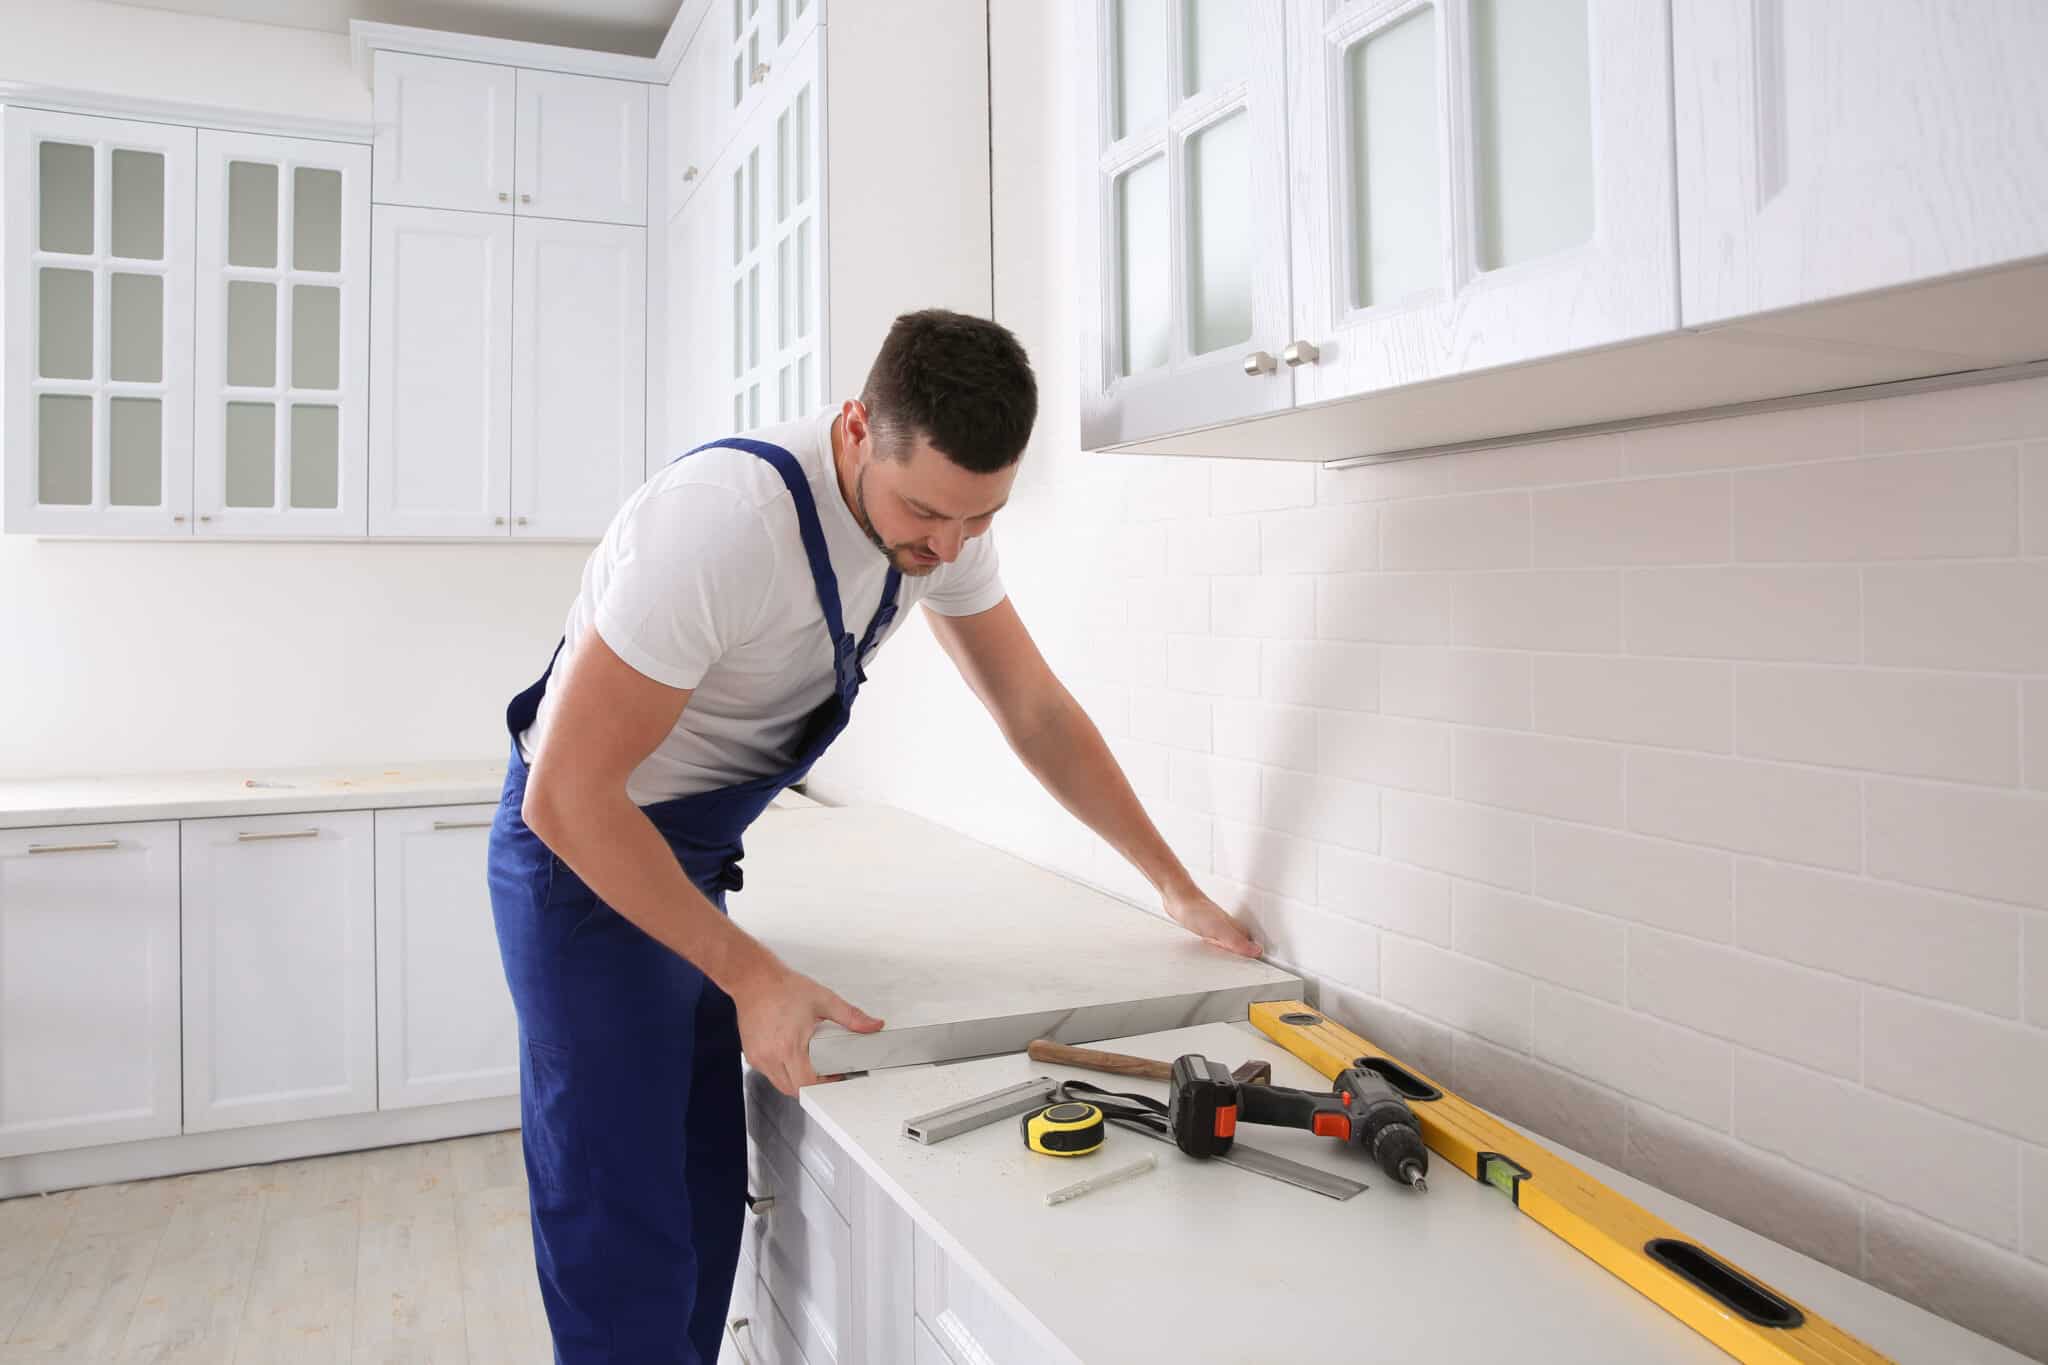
(778, 1012)
(1190, 908)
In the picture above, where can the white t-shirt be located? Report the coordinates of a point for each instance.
(701, 582)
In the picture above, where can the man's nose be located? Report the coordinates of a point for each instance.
(946, 543)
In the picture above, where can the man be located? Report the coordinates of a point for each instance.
(712, 653)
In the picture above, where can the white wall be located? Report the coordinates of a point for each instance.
(1681, 795)
(139, 657)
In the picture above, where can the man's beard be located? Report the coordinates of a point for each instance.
(899, 556)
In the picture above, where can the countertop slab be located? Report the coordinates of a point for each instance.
(1198, 1262)
(964, 950)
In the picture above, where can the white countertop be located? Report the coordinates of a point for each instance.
(964, 950)
(1197, 1262)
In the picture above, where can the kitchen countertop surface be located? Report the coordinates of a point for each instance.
(1197, 1262)
(964, 950)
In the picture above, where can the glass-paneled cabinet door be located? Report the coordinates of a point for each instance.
(1183, 261)
(1477, 183)
(98, 375)
(282, 424)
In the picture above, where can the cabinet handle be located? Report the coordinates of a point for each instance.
(1258, 363)
(733, 1330)
(99, 847)
(520, 520)
(499, 521)
(689, 175)
(760, 73)
(179, 519)
(504, 198)
(462, 824)
(262, 837)
(526, 199)
(760, 1203)
(1301, 353)
(206, 516)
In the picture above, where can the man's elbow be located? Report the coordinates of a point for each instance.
(542, 808)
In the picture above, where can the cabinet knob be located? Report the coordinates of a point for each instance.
(204, 516)
(497, 521)
(526, 199)
(1301, 353)
(689, 175)
(504, 198)
(760, 73)
(519, 520)
(179, 518)
(1260, 362)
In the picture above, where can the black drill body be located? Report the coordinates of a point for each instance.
(1204, 1107)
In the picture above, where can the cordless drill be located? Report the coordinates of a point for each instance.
(1204, 1106)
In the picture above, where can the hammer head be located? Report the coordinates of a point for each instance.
(1253, 1073)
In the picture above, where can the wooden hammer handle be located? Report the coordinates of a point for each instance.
(1059, 1054)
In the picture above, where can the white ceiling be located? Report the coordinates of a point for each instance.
(630, 26)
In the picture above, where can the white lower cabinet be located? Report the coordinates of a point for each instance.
(279, 972)
(445, 1027)
(969, 1322)
(88, 985)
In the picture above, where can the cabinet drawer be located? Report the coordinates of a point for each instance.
(969, 1323)
(929, 1352)
(763, 1337)
(806, 1258)
(826, 1161)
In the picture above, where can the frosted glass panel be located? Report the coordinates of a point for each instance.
(785, 166)
(252, 334)
(1139, 75)
(803, 384)
(785, 293)
(753, 199)
(316, 219)
(754, 407)
(138, 205)
(753, 316)
(1396, 234)
(1532, 97)
(1216, 43)
(784, 384)
(251, 455)
(739, 328)
(316, 337)
(1219, 227)
(135, 452)
(65, 182)
(252, 214)
(65, 350)
(135, 335)
(316, 456)
(803, 278)
(64, 449)
(739, 214)
(1142, 253)
(802, 137)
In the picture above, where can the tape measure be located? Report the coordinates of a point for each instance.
(1069, 1128)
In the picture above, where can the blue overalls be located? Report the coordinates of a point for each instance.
(630, 1101)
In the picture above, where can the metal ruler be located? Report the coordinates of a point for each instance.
(1278, 1168)
(979, 1112)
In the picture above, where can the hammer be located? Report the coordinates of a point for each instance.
(1117, 1064)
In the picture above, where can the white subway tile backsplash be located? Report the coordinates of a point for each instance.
(1469, 531)
(1670, 1067)
(1961, 616)
(1211, 666)
(1414, 755)
(1805, 1016)
(1213, 545)
(1167, 489)
(1296, 934)
(1666, 885)
(1214, 786)
(1338, 539)
(1981, 843)
(1170, 606)
(1548, 1102)
(1328, 673)
(1422, 1045)
(1977, 1068)
(1392, 608)
(1270, 608)
(1784, 1202)
(1103, 654)
(1965, 952)
(1949, 418)
(1480, 687)
(1642, 521)
(1278, 736)
(1675, 703)
(1798, 814)
(1572, 779)
(1260, 485)
(2034, 1212)
(1945, 1168)
(1265, 859)
(1327, 810)
(2034, 929)
(1745, 613)
(1764, 438)
(1953, 505)
(1461, 991)
(2034, 724)
(1554, 943)
(1575, 459)
(1918, 724)
(1577, 610)
(1175, 719)
(1478, 842)
(1382, 482)
(1408, 900)
(2034, 497)
(1145, 765)
(1962, 1278)
(1148, 673)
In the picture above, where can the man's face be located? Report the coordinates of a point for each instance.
(921, 509)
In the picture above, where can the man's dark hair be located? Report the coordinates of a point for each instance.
(961, 382)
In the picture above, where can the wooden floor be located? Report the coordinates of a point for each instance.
(419, 1253)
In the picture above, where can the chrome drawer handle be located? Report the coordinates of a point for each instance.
(258, 838)
(689, 175)
(462, 824)
(760, 1203)
(99, 847)
(733, 1330)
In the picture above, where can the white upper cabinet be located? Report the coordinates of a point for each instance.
(724, 77)
(1182, 269)
(1829, 147)
(1477, 183)
(98, 325)
(579, 363)
(444, 133)
(282, 332)
(581, 148)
